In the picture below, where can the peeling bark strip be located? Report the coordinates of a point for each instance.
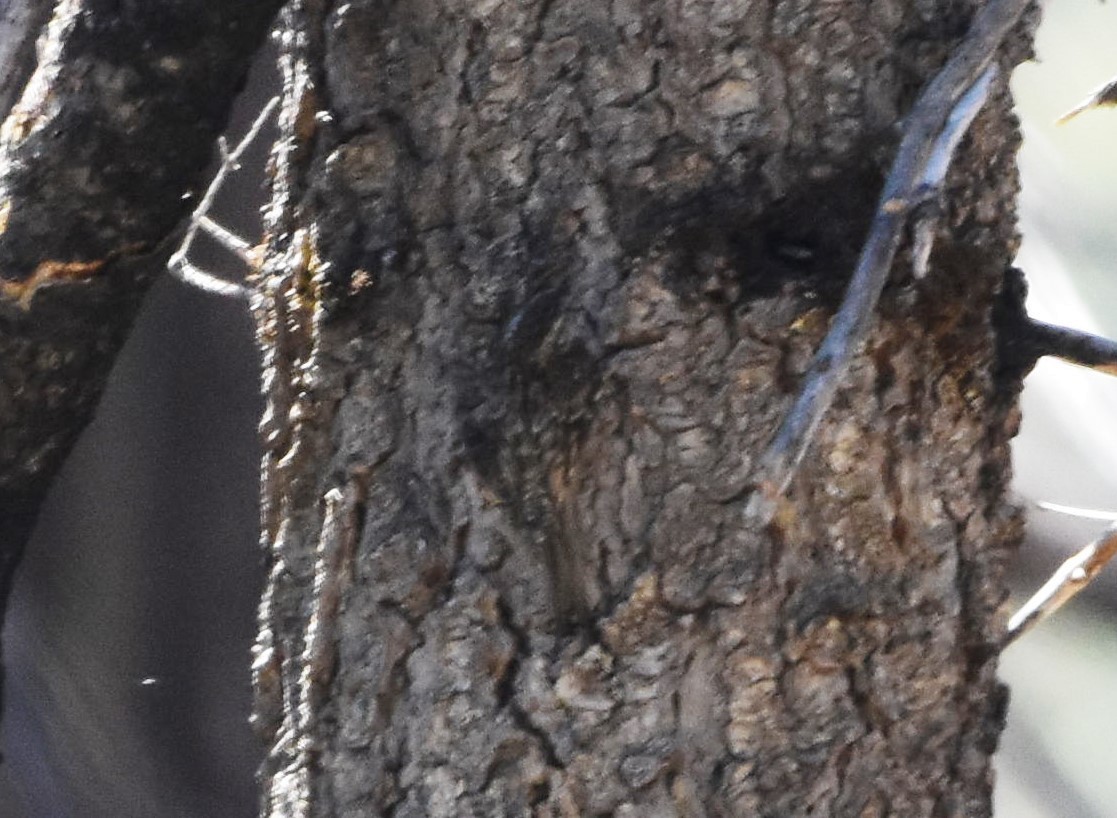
(114, 127)
(548, 273)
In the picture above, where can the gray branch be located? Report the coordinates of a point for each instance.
(1071, 345)
(927, 126)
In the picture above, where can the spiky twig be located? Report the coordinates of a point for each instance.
(179, 264)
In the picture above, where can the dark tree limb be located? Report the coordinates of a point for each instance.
(98, 160)
(1070, 345)
(1022, 340)
(904, 188)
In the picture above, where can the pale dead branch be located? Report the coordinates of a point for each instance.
(1100, 97)
(179, 264)
(1084, 513)
(1071, 577)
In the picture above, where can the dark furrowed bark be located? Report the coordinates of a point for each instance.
(560, 267)
(115, 127)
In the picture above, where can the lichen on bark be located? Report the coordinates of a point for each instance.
(564, 263)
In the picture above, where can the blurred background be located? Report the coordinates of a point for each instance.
(127, 688)
(1058, 755)
(127, 681)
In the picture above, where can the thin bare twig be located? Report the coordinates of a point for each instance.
(1084, 513)
(179, 264)
(1105, 95)
(199, 279)
(903, 189)
(226, 238)
(1071, 345)
(1072, 576)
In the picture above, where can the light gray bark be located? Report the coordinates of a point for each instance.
(541, 279)
(20, 24)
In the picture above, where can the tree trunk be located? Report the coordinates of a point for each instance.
(541, 279)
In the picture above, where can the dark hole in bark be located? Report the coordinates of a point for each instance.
(825, 594)
(802, 238)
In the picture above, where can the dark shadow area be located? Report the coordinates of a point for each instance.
(127, 641)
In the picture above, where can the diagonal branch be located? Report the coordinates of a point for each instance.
(1071, 577)
(1103, 96)
(934, 174)
(904, 188)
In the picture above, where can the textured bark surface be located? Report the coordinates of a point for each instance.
(115, 126)
(542, 277)
(21, 21)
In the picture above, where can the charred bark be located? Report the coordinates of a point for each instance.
(542, 278)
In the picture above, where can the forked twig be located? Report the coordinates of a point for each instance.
(906, 186)
(1071, 577)
(179, 264)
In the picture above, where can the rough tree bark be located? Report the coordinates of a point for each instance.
(540, 279)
